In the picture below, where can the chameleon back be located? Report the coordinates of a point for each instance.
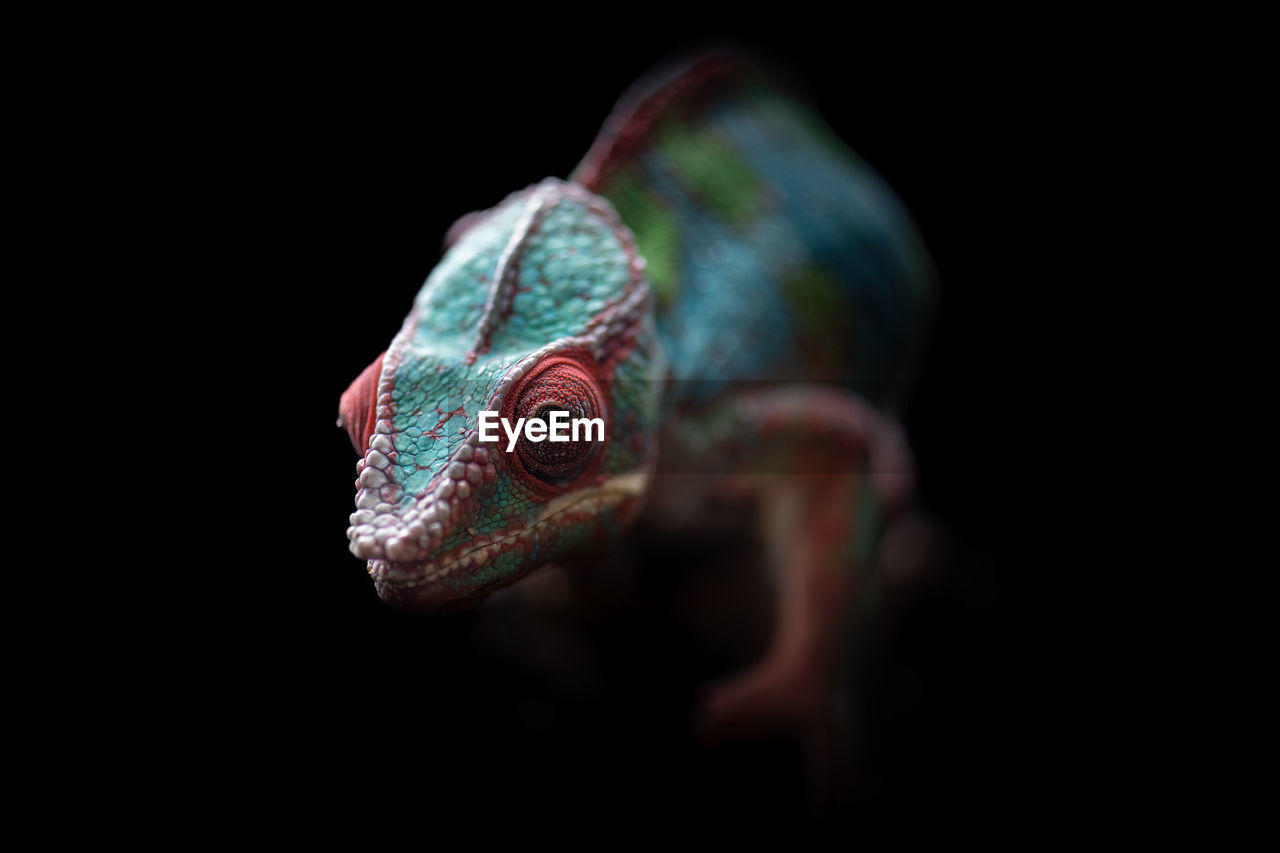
(774, 252)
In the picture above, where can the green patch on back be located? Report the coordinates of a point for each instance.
(712, 169)
(654, 229)
(816, 299)
(820, 311)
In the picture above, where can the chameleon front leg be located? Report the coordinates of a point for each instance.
(813, 526)
(805, 529)
(826, 469)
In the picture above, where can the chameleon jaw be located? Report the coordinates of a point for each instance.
(458, 575)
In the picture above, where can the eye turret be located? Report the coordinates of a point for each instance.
(558, 384)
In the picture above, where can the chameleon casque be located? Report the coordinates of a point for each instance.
(733, 291)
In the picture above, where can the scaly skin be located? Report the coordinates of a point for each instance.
(542, 301)
(722, 280)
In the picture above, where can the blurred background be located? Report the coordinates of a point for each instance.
(361, 149)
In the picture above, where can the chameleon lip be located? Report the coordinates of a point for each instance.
(475, 554)
(404, 538)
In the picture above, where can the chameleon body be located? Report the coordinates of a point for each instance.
(723, 282)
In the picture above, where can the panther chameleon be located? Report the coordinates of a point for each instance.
(734, 292)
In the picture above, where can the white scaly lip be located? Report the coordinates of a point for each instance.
(477, 552)
(380, 529)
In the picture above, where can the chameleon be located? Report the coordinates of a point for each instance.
(734, 292)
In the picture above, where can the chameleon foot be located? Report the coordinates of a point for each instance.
(775, 695)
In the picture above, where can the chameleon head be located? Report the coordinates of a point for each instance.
(540, 306)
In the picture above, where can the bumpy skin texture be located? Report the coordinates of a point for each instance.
(542, 302)
(721, 280)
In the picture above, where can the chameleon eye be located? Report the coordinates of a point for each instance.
(559, 384)
(358, 407)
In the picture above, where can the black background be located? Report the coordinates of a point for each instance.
(336, 161)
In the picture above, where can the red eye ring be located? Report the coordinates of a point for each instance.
(564, 381)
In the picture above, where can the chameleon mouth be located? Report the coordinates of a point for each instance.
(462, 571)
